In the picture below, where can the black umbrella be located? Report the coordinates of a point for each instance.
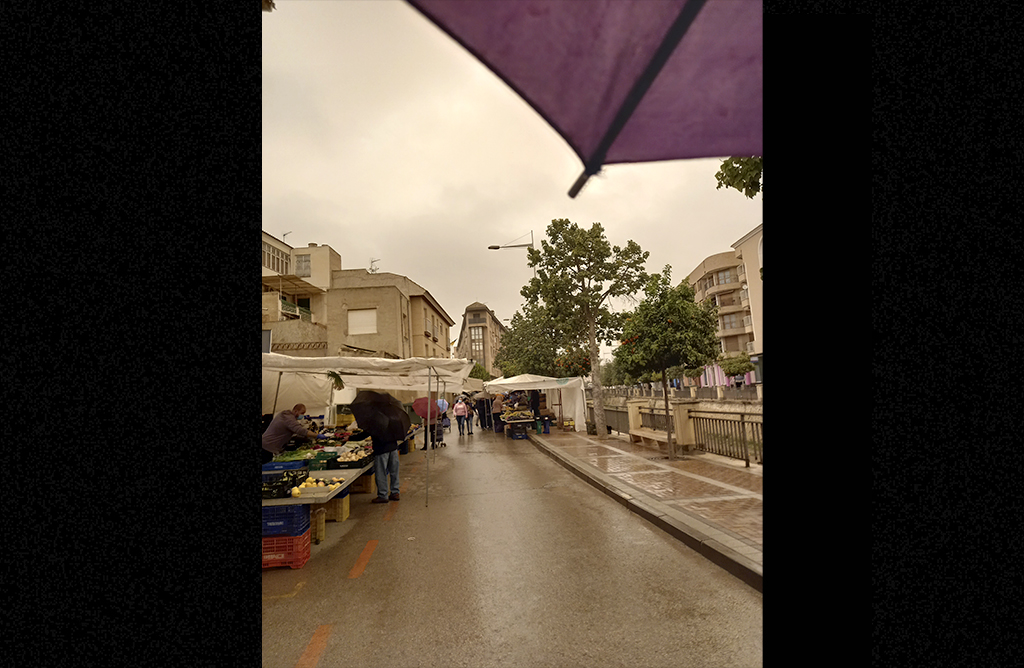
(381, 415)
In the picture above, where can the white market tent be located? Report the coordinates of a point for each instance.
(291, 380)
(305, 380)
(574, 401)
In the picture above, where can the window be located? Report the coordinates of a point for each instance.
(362, 321)
(276, 259)
(729, 321)
(476, 333)
(302, 265)
(725, 277)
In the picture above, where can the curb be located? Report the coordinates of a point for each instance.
(692, 533)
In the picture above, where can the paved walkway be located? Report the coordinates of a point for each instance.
(711, 503)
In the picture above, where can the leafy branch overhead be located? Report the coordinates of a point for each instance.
(743, 174)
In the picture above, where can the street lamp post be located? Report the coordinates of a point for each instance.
(529, 245)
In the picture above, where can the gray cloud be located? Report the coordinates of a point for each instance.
(385, 139)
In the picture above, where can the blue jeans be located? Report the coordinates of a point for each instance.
(382, 466)
(461, 419)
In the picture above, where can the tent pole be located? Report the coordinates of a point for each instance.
(426, 443)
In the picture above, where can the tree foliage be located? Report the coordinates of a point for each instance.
(578, 271)
(736, 365)
(479, 372)
(574, 362)
(611, 374)
(743, 174)
(531, 343)
(668, 329)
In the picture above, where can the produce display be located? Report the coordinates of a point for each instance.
(510, 416)
(322, 448)
(317, 483)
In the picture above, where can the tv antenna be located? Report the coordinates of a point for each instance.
(373, 267)
(284, 235)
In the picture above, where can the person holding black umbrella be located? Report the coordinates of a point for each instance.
(385, 419)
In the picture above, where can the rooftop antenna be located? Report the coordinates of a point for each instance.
(373, 267)
(284, 235)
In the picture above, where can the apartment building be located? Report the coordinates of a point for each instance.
(385, 312)
(480, 337)
(733, 280)
(314, 308)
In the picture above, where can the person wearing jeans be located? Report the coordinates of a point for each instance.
(460, 416)
(384, 465)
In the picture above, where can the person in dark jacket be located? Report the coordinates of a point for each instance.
(385, 462)
(282, 429)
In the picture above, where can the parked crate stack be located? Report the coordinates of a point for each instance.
(286, 536)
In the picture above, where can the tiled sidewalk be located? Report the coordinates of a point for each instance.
(711, 503)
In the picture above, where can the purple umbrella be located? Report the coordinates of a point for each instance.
(624, 80)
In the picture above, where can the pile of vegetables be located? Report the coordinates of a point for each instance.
(509, 416)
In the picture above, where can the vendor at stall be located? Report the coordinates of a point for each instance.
(281, 430)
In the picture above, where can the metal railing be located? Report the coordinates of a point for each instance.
(736, 437)
(655, 419)
(617, 420)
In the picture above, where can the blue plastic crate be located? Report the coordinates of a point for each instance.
(518, 437)
(285, 520)
(284, 466)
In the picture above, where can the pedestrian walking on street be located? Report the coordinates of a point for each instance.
(460, 416)
(482, 414)
(469, 417)
(496, 408)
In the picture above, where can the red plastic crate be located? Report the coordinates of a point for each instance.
(292, 551)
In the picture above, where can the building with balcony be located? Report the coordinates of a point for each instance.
(733, 280)
(480, 337)
(312, 307)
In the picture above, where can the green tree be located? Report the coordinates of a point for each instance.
(736, 365)
(611, 374)
(479, 372)
(668, 329)
(572, 363)
(530, 345)
(577, 273)
(743, 174)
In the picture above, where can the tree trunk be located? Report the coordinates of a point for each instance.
(595, 376)
(668, 416)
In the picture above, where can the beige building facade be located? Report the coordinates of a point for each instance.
(480, 337)
(314, 308)
(733, 280)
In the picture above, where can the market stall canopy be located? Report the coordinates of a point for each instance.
(305, 379)
(624, 80)
(574, 403)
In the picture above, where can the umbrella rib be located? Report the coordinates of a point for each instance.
(640, 87)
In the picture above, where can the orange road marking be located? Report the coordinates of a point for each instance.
(393, 506)
(363, 559)
(317, 644)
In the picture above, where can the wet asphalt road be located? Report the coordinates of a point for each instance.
(515, 562)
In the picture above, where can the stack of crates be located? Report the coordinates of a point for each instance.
(518, 430)
(286, 536)
(337, 509)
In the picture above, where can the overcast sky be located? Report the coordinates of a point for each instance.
(385, 139)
